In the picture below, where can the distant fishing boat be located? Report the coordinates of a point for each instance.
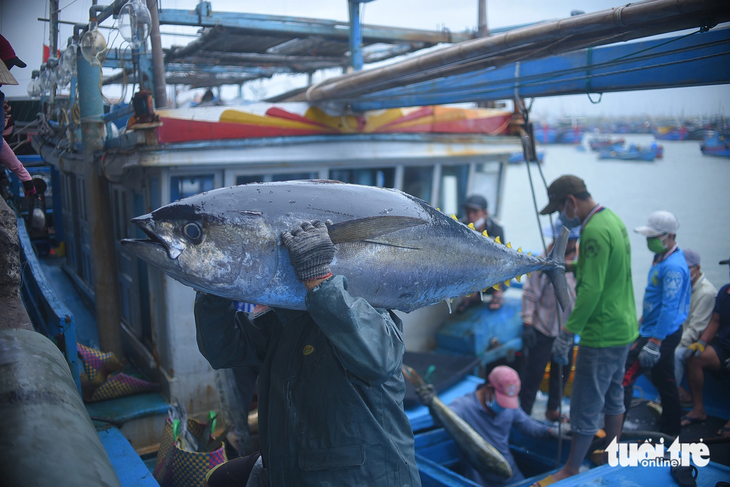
(671, 133)
(716, 144)
(603, 142)
(631, 153)
(572, 135)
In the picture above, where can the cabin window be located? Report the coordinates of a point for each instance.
(381, 177)
(453, 188)
(184, 186)
(418, 182)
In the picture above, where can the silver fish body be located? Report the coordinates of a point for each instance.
(396, 251)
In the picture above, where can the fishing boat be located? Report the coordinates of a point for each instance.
(87, 287)
(716, 144)
(630, 153)
(670, 132)
(601, 143)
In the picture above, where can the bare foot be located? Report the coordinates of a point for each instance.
(693, 417)
(557, 476)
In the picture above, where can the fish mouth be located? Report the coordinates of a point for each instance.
(153, 244)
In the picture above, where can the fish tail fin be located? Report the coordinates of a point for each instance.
(556, 268)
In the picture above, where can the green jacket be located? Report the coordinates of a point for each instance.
(605, 312)
(330, 389)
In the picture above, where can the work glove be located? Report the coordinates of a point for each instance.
(529, 339)
(310, 250)
(426, 394)
(695, 349)
(562, 346)
(562, 433)
(649, 355)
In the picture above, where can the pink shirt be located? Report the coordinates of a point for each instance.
(8, 158)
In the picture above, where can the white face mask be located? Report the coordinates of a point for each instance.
(479, 223)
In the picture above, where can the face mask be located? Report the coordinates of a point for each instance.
(569, 222)
(479, 223)
(494, 406)
(656, 245)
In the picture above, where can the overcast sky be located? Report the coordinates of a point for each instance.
(18, 23)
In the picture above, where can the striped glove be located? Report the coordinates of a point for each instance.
(562, 346)
(649, 355)
(695, 349)
(310, 250)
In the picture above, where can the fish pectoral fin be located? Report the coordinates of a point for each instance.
(370, 227)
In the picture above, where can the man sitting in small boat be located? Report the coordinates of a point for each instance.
(714, 356)
(492, 410)
(701, 305)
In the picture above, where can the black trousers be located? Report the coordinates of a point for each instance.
(536, 360)
(662, 376)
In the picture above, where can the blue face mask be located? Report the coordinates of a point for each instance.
(494, 406)
(569, 222)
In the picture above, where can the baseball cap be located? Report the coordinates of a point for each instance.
(660, 222)
(477, 202)
(6, 78)
(560, 189)
(692, 257)
(723, 262)
(7, 54)
(557, 227)
(506, 385)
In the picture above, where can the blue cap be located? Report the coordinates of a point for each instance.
(552, 233)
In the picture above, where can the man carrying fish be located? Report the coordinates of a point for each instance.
(331, 387)
(604, 317)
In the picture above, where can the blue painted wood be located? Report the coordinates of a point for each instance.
(435, 475)
(697, 60)
(129, 407)
(471, 332)
(46, 309)
(129, 467)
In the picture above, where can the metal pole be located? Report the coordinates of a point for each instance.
(98, 210)
(660, 15)
(158, 64)
(483, 30)
(356, 60)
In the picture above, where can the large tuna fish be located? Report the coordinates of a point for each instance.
(396, 251)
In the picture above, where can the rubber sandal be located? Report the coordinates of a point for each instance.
(691, 421)
(685, 476)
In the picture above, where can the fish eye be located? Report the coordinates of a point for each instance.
(193, 232)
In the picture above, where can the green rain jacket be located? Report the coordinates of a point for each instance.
(330, 389)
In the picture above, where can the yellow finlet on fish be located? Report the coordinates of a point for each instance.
(454, 217)
(471, 225)
(518, 278)
(506, 283)
(485, 234)
(498, 240)
(496, 286)
(519, 250)
(509, 245)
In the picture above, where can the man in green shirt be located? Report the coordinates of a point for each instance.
(604, 317)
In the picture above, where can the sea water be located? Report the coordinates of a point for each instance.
(695, 187)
